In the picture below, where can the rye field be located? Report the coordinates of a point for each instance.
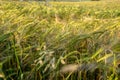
(60, 40)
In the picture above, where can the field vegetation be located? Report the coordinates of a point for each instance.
(60, 41)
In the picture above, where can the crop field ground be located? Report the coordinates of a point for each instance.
(60, 40)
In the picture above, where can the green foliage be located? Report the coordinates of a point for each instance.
(75, 41)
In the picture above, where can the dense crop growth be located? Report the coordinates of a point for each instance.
(60, 41)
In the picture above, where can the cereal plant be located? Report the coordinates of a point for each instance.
(60, 41)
